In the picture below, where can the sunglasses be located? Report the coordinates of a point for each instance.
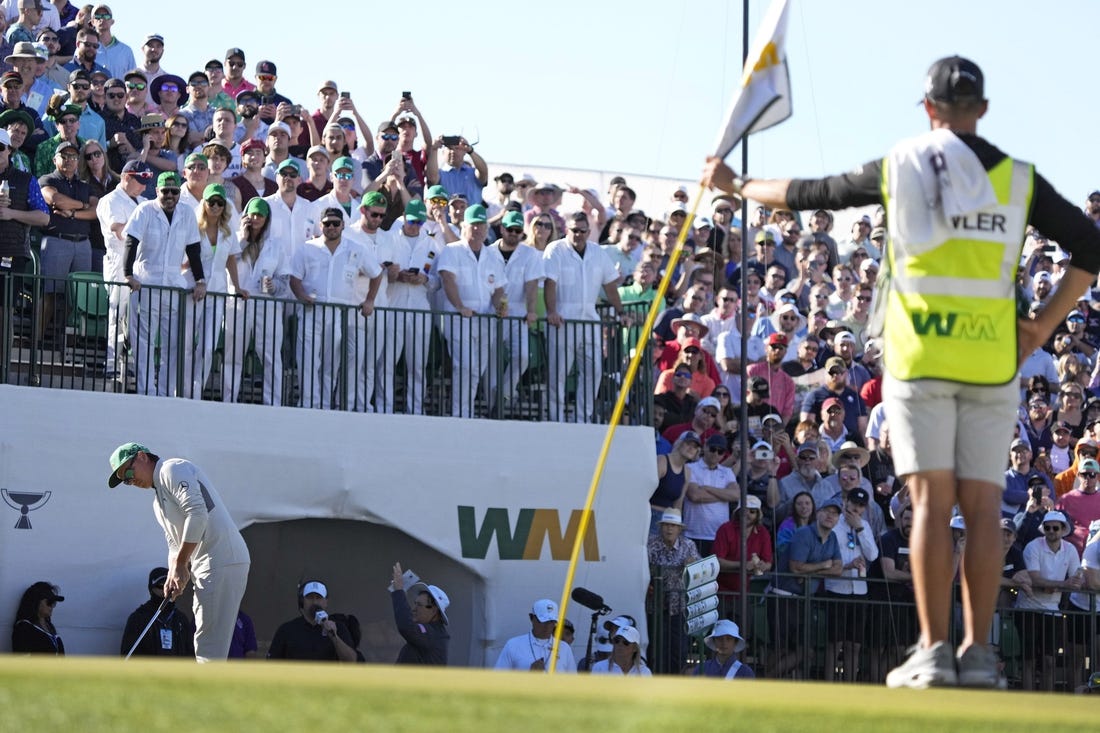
(715, 449)
(682, 375)
(169, 88)
(343, 176)
(514, 230)
(143, 176)
(778, 347)
(836, 372)
(834, 411)
(237, 64)
(721, 394)
(136, 86)
(265, 77)
(414, 223)
(102, 16)
(93, 155)
(376, 214)
(622, 642)
(332, 223)
(389, 136)
(1052, 527)
(170, 191)
(289, 172)
(216, 202)
(863, 299)
(119, 95)
(199, 83)
(544, 225)
(51, 603)
(438, 201)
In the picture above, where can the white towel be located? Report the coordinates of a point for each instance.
(939, 168)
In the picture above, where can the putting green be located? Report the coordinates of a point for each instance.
(81, 694)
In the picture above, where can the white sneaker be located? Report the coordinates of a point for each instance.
(978, 668)
(933, 666)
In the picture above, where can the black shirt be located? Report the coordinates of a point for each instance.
(299, 639)
(1050, 213)
(74, 188)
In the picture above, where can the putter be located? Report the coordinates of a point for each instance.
(147, 627)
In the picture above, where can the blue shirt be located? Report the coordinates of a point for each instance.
(806, 547)
(462, 180)
(711, 668)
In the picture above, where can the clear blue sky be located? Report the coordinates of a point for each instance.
(642, 88)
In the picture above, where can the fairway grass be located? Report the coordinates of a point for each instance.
(96, 694)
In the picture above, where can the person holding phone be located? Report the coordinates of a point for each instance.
(407, 117)
(456, 175)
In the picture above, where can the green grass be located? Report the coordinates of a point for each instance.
(87, 694)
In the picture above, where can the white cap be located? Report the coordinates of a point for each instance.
(545, 610)
(279, 126)
(314, 586)
(627, 632)
(671, 516)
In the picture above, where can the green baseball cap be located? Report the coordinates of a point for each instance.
(169, 179)
(476, 214)
(373, 198)
(214, 189)
(436, 192)
(416, 211)
(257, 206)
(512, 219)
(122, 454)
(196, 158)
(343, 162)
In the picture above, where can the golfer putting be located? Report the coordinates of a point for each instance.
(204, 545)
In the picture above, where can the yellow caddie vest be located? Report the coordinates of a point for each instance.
(950, 308)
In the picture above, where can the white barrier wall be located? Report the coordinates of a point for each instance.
(494, 498)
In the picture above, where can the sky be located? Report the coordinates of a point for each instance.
(643, 87)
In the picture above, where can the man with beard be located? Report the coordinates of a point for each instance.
(836, 387)
(92, 126)
(87, 51)
(120, 125)
(780, 385)
(173, 633)
(198, 110)
(804, 477)
(312, 635)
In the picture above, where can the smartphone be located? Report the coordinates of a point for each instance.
(451, 140)
(413, 270)
(387, 263)
(406, 95)
(345, 95)
(1037, 494)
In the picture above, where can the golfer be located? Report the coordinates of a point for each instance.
(204, 545)
(956, 210)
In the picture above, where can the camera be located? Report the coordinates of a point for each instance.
(1037, 494)
(406, 95)
(763, 454)
(451, 140)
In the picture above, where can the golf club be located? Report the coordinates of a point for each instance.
(148, 626)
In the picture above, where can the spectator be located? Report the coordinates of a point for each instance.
(251, 181)
(458, 176)
(101, 180)
(702, 423)
(266, 76)
(343, 195)
(33, 631)
(263, 270)
(626, 655)
(312, 635)
(802, 510)
(24, 208)
(120, 125)
(196, 177)
(806, 360)
(197, 108)
(726, 643)
(424, 627)
(836, 387)
(710, 489)
(113, 54)
(327, 342)
(1082, 504)
(677, 398)
(1054, 566)
(234, 82)
(781, 388)
(669, 553)
(760, 479)
(727, 547)
(531, 651)
(692, 358)
(1040, 500)
(169, 93)
(544, 198)
(318, 161)
(847, 615)
(473, 287)
(220, 253)
(408, 117)
(672, 478)
(1063, 482)
(88, 43)
(18, 124)
(844, 345)
(244, 644)
(576, 271)
(805, 479)
(686, 327)
(172, 634)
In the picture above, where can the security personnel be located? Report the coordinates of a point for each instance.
(173, 633)
(957, 208)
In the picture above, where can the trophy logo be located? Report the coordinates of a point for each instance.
(26, 502)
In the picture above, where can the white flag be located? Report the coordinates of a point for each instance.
(764, 97)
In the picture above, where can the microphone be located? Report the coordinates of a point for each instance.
(320, 617)
(588, 599)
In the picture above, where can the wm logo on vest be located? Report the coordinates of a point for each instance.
(525, 542)
(952, 325)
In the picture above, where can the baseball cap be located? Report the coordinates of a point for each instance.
(671, 516)
(1061, 426)
(136, 167)
(833, 502)
(405, 117)
(154, 37)
(319, 149)
(708, 402)
(835, 361)
(158, 577)
(121, 455)
(436, 192)
(1019, 443)
(717, 441)
(279, 127)
(257, 206)
(777, 338)
(266, 67)
(1008, 524)
(750, 502)
(845, 336)
(831, 403)
(328, 84)
(1088, 464)
(373, 198)
(954, 79)
(545, 610)
(169, 179)
(475, 214)
(629, 633)
(689, 435)
(253, 144)
(859, 496)
(344, 161)
(65, 146)
(234, 52)
(416, 211)
(764, 236)
(512, 219)
(315, 586)
(386, 124)
(810, 446)
(214, 189)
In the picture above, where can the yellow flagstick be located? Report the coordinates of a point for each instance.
(616, 415)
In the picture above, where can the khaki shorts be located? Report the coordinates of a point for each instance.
(937, 425)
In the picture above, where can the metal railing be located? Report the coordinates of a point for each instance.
(81, 333)
(818, 636)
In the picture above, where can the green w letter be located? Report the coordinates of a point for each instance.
(924, 326)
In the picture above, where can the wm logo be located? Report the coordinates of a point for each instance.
(533, 529)
(954, 325)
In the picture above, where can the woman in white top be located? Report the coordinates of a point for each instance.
(263, 272)
(220, 253)
(626, 655)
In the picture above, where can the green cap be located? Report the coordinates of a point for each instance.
(16, 115)
(214, 189)
(343, 162)
(476, 214)
(374, 198)
(287, 163)
(123, 453)
(196, 157)
(257, 206)
(512, 219)
(436, 192)
(416, 211)
(68, 109)
(169, 179)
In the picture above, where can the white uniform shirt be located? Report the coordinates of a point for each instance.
(332, 275)
(189, 509)
(329, 201)
(293, 226)
(1051, 565)
(520, 652)
(523, 266)
(476, 277)
(115, 208)
(214, 257)
(579, 280)
(865, 546)
(606, 666)
(417, 252)
(701, 521)
(1090, 559)
(381, 244)
(273, 260)
(162, 246)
